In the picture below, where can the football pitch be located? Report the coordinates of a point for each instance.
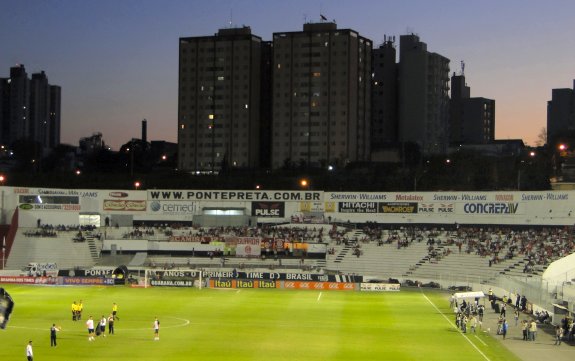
(242, 324)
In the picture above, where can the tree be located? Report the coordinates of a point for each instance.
(541, 137)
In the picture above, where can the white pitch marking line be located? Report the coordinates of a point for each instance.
(319, 296)
(462, 334)
(480, 340)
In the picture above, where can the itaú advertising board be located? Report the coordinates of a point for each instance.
(243, 283)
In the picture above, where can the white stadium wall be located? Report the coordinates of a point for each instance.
(64, 206)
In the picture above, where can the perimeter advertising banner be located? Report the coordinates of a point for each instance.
(379, 287)
(87, 281)
(320, 286)
(283, 276)
(172, 283)
(28, 280)
(241, 283)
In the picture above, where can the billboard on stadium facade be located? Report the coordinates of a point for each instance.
(63, 206)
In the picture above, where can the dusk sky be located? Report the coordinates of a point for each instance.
(117, 60)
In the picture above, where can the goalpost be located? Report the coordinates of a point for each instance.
(173, 278)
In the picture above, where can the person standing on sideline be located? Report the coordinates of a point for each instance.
(90, 326)
(111, 324)
(558, 335)
(156, 329)
(53, 331)
(80, 309)
(102, 326)
(29, 351)
(74, 310)
(533, 330)
(115, 311)
(516, 315)
(504, 328)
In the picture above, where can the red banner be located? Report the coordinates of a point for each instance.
(321, 286)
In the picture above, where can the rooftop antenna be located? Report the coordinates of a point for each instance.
(231, 17)
(463, 68)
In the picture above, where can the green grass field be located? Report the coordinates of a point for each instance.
(243, 325)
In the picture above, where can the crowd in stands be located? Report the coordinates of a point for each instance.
(537, 246)
(140, 233)
(49, 230)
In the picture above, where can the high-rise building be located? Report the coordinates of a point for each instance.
(321, 96)
(423, 96)
(384, 126)
(39, 108)
(560, 114)
(471, 120)
(30, 108)
(219, 101)
(16, 123)
(55, 116)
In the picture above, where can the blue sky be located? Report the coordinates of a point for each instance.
(117, 61)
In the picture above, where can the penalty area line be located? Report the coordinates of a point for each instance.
(452, 325)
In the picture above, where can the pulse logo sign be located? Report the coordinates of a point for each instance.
(268, 209)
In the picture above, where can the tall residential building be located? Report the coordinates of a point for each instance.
(471, 120)
(30, 108)
(321, 96)
(219, 101)
(39, 108)
(16, 123)
(54, 119)
(384, 126)
(423, 96)
(560, 114)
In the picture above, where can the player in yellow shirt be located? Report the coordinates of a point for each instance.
(74, 311)
(115, 311)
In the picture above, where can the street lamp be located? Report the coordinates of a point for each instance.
(304, 183)
(137, 185)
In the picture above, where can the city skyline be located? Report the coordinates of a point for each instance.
(117, 62)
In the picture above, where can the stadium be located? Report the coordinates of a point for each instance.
(294, 275)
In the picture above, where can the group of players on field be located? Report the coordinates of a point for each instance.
(99, 328)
